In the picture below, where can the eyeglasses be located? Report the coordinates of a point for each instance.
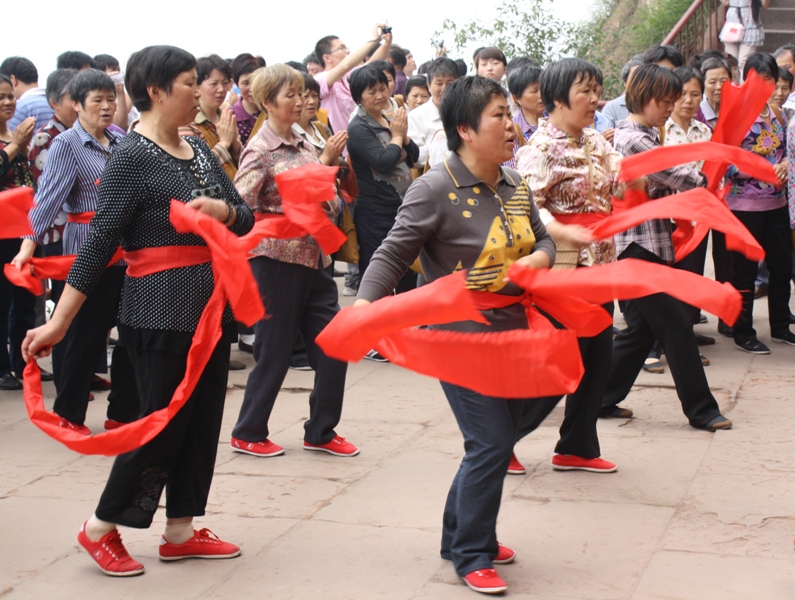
(340, 47)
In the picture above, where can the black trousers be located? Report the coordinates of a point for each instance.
(664, 318)
(182, 457)
(578, 434)
(17, 314)
(372, 227)
(771, 229)
(721, 258)
(694, 262)
(298, 299)
(75, 357)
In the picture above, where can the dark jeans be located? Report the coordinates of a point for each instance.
(372, 227)
(182, 457)
(17, 314)
(664, 318)
(469, 527)
(297, 299)
(578, 434)
(771, 229)
(75, 357)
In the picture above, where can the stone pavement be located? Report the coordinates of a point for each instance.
(689, 514)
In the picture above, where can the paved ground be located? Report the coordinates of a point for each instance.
(689, 514)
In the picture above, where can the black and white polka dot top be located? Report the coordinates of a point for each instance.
(135, 192)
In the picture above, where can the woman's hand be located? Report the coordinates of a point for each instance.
(536, 260)
(217, 209)
(227, 129)
(781, 170)
(399, 127)
(23, 134)
(38, 342)
(608, 134)
(576, 235)
(334, 147)
(361, 302)
(24, 255)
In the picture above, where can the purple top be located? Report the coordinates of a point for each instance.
(400, 82)
(245, 121)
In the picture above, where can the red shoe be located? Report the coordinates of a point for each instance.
(515, 467)
(110, 554)
(100, 384)
(263, 448)
(203, 544)
(569, 462)
(486, 581)
(505, 555)
(111, 424)
(338, 447)
(66, 424)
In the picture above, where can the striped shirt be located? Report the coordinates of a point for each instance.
(654, 235)
(74, 163)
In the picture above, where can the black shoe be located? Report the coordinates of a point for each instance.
(236, 365)
(724, 329)
(786, 338)
(46, 375)
(373, 355)
(791, 319)
(704, 340)
(10, 383)
(300, 364)
(702, 318)
(616, 412)
(244, 347)
(752, 346)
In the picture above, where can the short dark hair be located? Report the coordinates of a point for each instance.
(423, 68)
(520, 79)
(206, 64)
(365, 78)
(416, 81)
(475, 54)
(785, 48)
(442, 66)
(667, 52)
(716, 63)
(491, 53)
(245, 63)
(300, 67)
(786, 76)
(764, 65)
(6, 79)
(323, 46)
(312, 58)
(310, 84)
(651, 82)
(635, 61)
(103, 61)
(520, 62)
(558, 77)
(698, 59)
(87, 81)
(156, 66)
(462, 67)
(398, 57)
(384, 65)
(685, 74)
(58, 84)
(21, 68)
(74, 59)
(463, 103)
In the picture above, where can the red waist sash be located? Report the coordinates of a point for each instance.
(585, 219)
(83, 217)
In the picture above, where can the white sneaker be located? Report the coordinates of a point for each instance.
(347, 291)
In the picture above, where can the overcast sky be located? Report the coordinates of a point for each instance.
(278, 30)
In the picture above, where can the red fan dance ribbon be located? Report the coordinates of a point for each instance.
(234, 282)
(15, 204)
(524, 363)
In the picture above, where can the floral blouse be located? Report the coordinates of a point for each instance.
(570, 176)
(768, 140)
(265, 156)
(697, 132)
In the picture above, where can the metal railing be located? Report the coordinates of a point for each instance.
(698, 28)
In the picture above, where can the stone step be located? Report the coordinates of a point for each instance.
(779, 19)
(774, 39)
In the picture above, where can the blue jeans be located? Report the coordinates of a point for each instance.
(469, 529)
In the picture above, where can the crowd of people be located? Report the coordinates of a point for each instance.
(447, 172)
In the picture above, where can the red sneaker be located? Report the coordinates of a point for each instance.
(569, 462)
(66, 424)
(203, 544)
(100, 384)
(111, 424)
(515, 467)
(505, 555)
(110, 554)
(263, 448)
(338, 447)
(486, 581)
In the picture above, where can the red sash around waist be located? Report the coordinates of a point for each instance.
(83, 217)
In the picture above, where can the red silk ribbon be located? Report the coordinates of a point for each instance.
(15, 204)
(36, 269)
